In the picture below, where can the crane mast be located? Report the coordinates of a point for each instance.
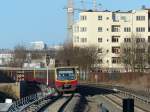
(70, 17)
(70, 20)
(94, 5)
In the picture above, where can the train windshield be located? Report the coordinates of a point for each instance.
(65, 74)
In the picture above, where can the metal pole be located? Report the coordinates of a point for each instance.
(47, 76)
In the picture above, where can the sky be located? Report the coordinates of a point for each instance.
(24, 21)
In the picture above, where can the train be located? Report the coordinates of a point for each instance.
(66, 79)
(61, 78)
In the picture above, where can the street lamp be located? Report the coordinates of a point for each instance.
(47, 63)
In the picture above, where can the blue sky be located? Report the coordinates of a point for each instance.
(24, 21)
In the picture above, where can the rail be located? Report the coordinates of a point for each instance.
(65, 103)
(124, 91)
(121, 105)
(62, 108)
(134, 96)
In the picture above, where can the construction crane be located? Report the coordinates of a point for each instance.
(70, 16)
(94, 5)
(70, 20)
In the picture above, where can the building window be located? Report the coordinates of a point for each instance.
(100, 61)
(76, 29)
(140, 40)
(140, 50)
(83, 18)
(99, 39)
(127, 39)
(99, 50)
(148, 49)
(127, 50)
(100, 29)
(127, 29)
(115, 28)
(124, 18)
(140, 18)
(83, 29)
(148, 38)
(116, 50)
(140, 29)
(115, 38)
(115, 60)
(115, 18)
(83, 40)
(99, 17)
(76, 39)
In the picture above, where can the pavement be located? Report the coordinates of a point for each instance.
(4, 107)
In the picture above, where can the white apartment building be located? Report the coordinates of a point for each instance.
(5, 56)
(37, 45)
(107, 30)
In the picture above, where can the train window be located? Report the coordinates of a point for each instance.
(66, 74)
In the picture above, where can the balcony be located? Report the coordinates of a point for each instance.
(115, 28)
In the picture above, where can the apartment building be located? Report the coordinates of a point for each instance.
(37, 45)
(107, 30)
(5, 56)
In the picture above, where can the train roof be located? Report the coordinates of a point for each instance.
(67, 67)
(23, 69)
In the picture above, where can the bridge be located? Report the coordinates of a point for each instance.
(95, 93)
(27, 74)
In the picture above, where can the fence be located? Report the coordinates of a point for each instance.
(29, 100)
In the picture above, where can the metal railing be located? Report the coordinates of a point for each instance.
(23, 103)
(136, 97)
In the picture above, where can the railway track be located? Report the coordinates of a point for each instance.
(141, 101)
(63, 107)
(37, 106)
(133, 93)
(137, 105)
(54, 103)
(117, 100)
(60, 104)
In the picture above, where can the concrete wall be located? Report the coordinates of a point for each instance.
(12, 89)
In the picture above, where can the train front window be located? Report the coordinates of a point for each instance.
(65, 75)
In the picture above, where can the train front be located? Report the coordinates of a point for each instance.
(66, 79)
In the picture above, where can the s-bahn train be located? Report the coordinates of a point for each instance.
(66, 79)
(61, 78)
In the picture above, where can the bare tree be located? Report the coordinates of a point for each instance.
(84, 57)
(148, 55)
(37, 54)
(19, 56)
(134, 53)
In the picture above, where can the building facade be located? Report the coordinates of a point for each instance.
(37, 45)
(6, 56)
(107, 30)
